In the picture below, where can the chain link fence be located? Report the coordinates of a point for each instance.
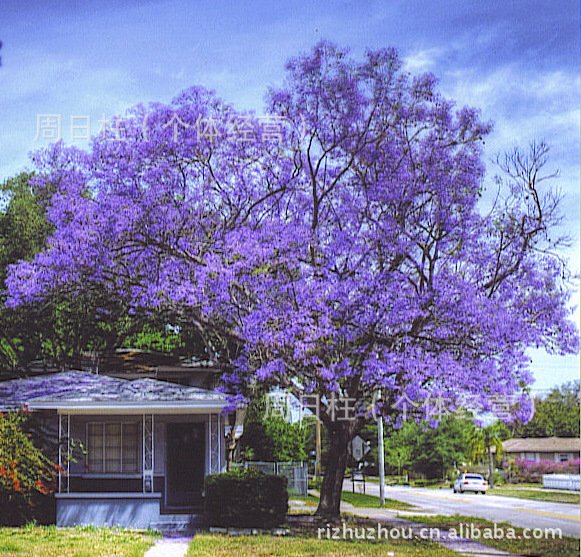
(295, 472)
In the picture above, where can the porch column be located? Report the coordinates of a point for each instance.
(64, 452)
(219, 438)
(214, 444)
(147, 443)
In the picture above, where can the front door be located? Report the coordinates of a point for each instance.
(185, 450)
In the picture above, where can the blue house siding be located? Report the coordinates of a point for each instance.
(135, 510)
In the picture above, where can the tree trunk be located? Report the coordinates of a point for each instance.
(340, 434)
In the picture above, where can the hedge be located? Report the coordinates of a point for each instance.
(532, 471)
(246, 499)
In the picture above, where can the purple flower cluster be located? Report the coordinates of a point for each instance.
(522, 471)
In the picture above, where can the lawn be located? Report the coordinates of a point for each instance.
(565, 547)
(362, 500)
(358, 500)
(49, 541)
(439, 485)
(208, 545)
(309, 500)
(555, 496)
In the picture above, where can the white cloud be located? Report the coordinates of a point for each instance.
(424, 60)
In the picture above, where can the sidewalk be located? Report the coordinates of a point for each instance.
(169, 547)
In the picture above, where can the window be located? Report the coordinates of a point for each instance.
(564, 457)
(112, 448)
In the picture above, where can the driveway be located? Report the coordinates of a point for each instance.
(525, 513)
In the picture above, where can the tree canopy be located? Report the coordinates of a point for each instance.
(342, 255)
(56, 330)
(270, 437)
(556, 415)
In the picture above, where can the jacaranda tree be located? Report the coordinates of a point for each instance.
(336, 250)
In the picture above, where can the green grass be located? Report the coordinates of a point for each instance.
(389, 480)
(556, 497)
(49, 541)
(207, 545)
(357, 500)
(363, 500)
(309, 500)
(565, 547)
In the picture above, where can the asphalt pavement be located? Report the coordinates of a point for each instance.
(524, 513)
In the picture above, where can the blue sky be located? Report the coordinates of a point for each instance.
(516, 60)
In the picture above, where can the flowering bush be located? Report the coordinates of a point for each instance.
(26, 474)
(522, 471)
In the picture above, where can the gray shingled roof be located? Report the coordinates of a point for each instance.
(84, 387)
(542, 444)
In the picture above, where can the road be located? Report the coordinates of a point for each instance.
(524, 513)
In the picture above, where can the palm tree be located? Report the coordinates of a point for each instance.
(480, 446)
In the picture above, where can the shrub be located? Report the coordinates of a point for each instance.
(27, 476)
(522, 471)
(500, 477)
(246, 499)
(421, 482)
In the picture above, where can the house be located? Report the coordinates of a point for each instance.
(553, 449)
(147, 444)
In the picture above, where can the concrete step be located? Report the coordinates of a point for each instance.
(179, 523)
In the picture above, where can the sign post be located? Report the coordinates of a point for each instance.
(381, 456)
(358, 448)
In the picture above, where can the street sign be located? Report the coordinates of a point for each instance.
(358, 448)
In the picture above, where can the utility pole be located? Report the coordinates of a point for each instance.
(490, 462)
(380, 456)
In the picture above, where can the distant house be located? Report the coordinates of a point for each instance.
(552, 449)
(148, 444)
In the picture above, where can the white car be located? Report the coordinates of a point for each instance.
(470, 482)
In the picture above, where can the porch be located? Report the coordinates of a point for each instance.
(135, 468)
